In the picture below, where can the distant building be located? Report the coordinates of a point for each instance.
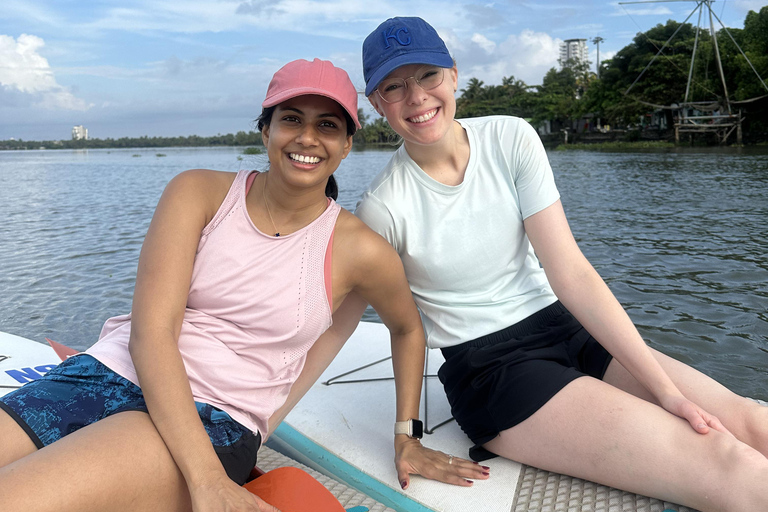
(573, 49)
(79, 132)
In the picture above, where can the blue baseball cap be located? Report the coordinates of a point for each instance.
(398, 42)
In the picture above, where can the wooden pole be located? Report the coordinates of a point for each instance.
(717, 56)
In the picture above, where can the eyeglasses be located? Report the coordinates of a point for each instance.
(393, 90)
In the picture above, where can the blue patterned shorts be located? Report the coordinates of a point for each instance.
(82, 390)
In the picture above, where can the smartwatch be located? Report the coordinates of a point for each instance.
(412, 428)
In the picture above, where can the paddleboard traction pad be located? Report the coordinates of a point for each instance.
(542, 491)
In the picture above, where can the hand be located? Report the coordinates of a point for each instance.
(413, 458)
(224, 495)
(700, 420)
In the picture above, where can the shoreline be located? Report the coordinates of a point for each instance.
(550, 143)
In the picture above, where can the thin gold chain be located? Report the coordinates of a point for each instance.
(264, 194)
(266, 204)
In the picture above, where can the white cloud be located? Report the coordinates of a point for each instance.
(23, 69)
(527, 56)
(484, 43)
(197, 16)
(643, 11)
(749, 5)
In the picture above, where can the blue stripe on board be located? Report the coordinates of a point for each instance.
(344, 471)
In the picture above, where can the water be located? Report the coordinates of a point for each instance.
(679, 236)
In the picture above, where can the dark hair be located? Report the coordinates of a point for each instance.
(331, 188)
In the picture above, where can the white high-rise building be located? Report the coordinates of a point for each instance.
(575, 49)
(79, 132)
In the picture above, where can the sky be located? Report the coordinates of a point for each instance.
(130, 68)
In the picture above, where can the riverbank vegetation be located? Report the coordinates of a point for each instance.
(599, 108)
(576, 103)
(241, 138)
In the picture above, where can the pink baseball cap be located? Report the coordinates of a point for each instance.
(320, 77)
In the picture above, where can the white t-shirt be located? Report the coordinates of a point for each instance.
(468, 260)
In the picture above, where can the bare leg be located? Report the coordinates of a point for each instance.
(14, 442)
(747, 420)
(119, 463)
(595, 431)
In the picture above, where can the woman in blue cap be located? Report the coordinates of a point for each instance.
(543, 365)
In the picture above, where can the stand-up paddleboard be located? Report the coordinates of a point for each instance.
(23, 360)
(346, 432)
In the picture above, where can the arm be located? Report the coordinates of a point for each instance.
(588, 298)
(160, 297)
(379, 278)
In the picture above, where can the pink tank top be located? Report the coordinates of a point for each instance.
(256, 305)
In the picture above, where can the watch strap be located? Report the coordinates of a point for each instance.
(403, 427)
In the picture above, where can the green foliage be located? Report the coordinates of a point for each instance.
(239, 139)
(512, 98)
(251, 150)
(559, 96)
(377, 132)
(619, 100)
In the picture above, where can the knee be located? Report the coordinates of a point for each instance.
(739, 475)
(731, 454)
(755, 421)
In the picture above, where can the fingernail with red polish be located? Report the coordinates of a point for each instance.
(470, 482)
(403, 484)
(486, 473)
(486, 468)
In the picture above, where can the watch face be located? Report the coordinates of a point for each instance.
(418, 429)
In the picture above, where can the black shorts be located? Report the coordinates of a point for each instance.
(82, 390)
(499, 380)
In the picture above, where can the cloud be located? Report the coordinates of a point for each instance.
(749, 5)
(484, 16)
(643, 11)
(24, 70)
(527, 56)
(259, 7)
(173, 67)
(483, 42)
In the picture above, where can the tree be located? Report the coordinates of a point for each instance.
(558, 97)
(512, 97)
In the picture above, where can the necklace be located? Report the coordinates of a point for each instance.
(264, 194)
(266, 203)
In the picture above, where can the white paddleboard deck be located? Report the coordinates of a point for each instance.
(23, 360)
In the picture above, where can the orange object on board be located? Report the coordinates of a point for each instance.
(294, 490)
(62, 351)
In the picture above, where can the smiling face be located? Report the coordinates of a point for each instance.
(422, 117)
(306, 140)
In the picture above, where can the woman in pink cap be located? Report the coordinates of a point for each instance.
(239, 277)
(543, 365)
